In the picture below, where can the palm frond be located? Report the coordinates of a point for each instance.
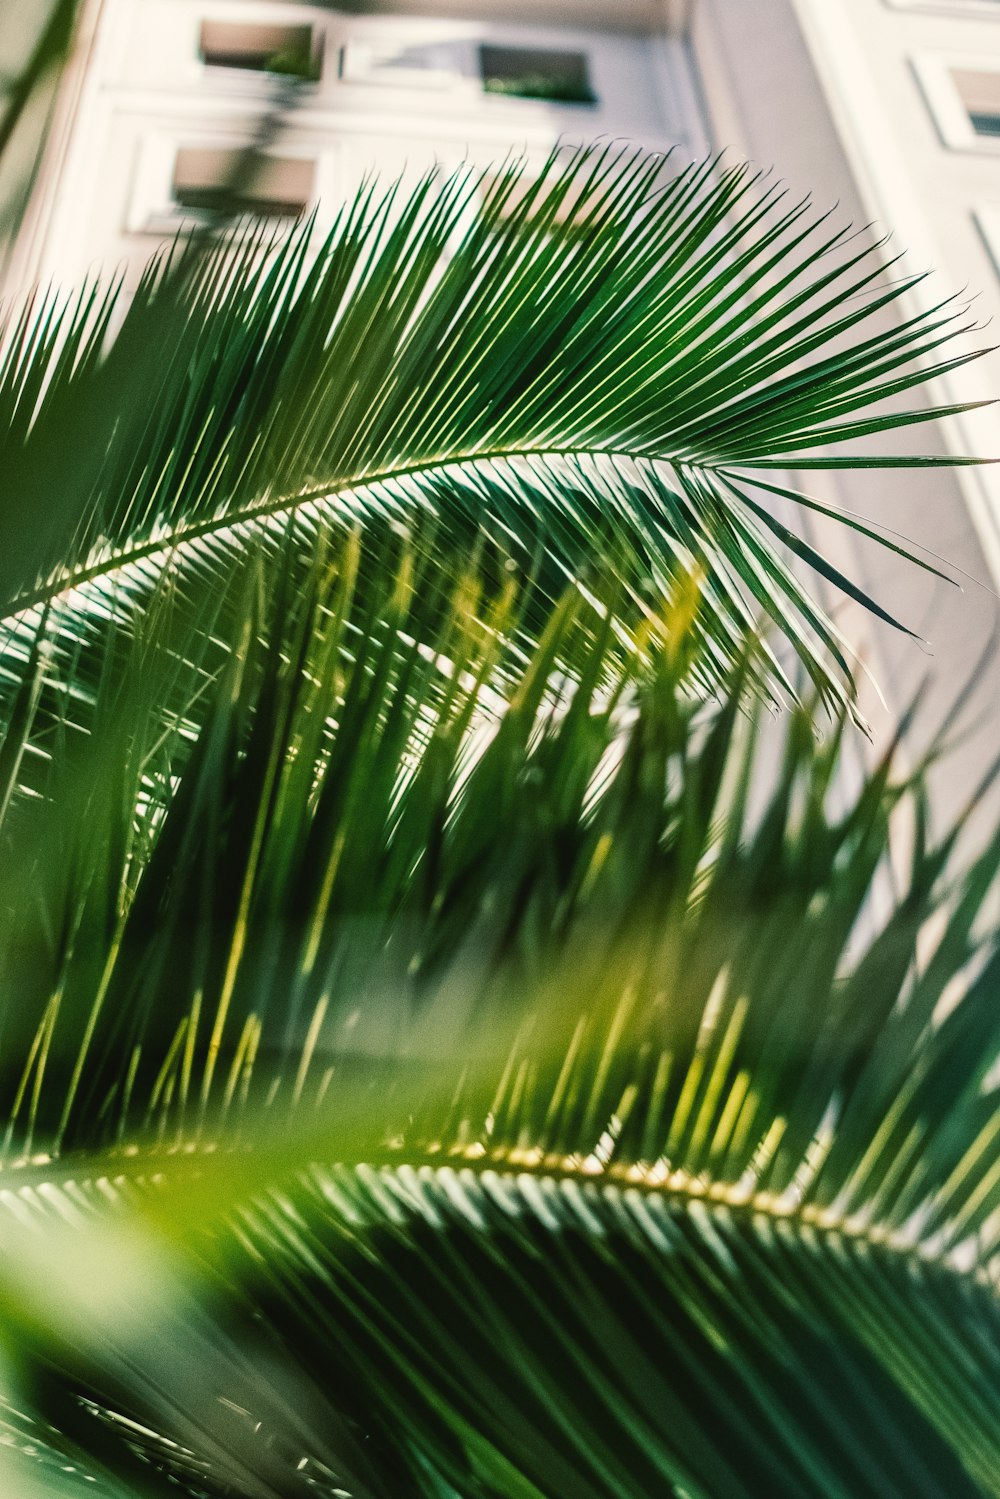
(723, 1221)
(622, 352)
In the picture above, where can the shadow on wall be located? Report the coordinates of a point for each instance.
(34, 44)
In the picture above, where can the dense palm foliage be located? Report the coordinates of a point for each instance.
(457, 1042)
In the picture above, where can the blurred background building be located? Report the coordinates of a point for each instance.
(889, 109)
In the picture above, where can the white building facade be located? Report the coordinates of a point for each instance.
(168, 90)
(891, 108)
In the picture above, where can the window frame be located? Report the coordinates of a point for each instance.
(296, 206)
(363, 59)
(979, 9)
(986, 217)
(575, 55)
(151, 207)
(317, 49)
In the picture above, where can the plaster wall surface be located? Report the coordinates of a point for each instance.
(826, 97)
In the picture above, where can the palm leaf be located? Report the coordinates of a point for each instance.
(620, 355)
(724, 1221)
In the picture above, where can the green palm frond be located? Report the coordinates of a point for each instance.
(455, 1044)
(620, 356)
(724, 1219)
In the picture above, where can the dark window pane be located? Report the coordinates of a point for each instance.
(985, 124)
(260, 49)
(526, 73)
(210, 179)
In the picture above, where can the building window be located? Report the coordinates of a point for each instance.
(210, 180)
(964, 100)
(560, 77)
(980, 96)
(292, 50)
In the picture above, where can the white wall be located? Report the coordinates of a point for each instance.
(886, 70)
(823, 92)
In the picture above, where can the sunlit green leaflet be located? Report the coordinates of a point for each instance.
(724, 1219)
(612, 358)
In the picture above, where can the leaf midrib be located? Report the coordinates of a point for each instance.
(715, 1197)
(232, 521)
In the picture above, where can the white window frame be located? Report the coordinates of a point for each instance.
(934, 75)
(987, 220)
(362, 62)
(980, 9)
